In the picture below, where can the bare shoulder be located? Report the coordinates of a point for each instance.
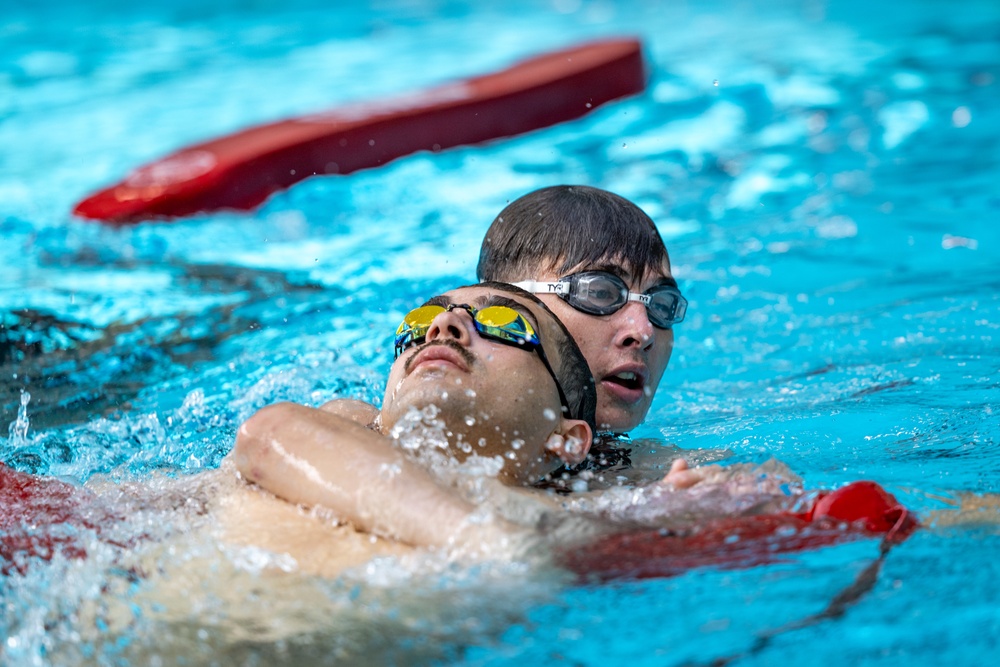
(355, 410)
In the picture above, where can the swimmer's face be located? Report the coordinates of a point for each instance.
(496, 399)
(626, 353)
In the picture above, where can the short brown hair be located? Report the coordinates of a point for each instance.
(564, 226)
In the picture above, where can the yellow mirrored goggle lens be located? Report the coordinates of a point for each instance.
(506, 319)
(496, 322)
(418, 321)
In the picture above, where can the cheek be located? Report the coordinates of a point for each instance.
(392, 382)
(664, 348)
(522, 392)
(585, 329)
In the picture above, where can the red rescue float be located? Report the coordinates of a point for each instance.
(857, 511)
(34, 509)
(31, 510)
(241, 170)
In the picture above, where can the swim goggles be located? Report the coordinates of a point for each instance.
(502, 324)
(603, 293)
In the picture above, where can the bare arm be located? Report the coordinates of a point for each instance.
(313, 457)
(353, 409)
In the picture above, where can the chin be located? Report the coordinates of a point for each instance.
(619, 423)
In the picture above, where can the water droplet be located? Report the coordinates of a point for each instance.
(961, 117)
(549, 414)
(470, 420)
(18, 429)
(716, 83)
(517, 444)
(389, 470)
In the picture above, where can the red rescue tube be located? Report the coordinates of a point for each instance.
(855, 511)
(29, 509)
(32, 510)
(241, 170)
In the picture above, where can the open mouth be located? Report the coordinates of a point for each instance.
(628, 380)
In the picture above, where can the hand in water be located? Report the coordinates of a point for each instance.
(772, 477)
(683, 477)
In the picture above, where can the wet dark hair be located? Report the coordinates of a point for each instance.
(564, 226)
(573, 371)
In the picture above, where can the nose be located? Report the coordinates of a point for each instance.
(633, 327)
(455, 324)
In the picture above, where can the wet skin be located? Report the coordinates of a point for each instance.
(626, 353)
(501, 400)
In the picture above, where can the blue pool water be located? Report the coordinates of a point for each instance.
(824, 174)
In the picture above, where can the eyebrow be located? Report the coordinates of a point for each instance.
(666, 280)
(609, 267)
(440, 300)
(627, 277)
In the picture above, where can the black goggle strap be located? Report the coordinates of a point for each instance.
(562, 394)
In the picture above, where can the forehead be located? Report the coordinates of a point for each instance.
(642, 277)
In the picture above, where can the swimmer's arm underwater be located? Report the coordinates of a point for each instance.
(311, 457)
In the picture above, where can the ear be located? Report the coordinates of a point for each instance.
(571, 442)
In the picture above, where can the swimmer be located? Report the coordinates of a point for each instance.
(318, 494)
(508, 392)
(507, 383)
(598, 261)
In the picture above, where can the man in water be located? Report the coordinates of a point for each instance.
(484, 375)
(507, 394)
(598, 261)
(507, 384)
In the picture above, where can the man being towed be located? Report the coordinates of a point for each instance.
(507, 384)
